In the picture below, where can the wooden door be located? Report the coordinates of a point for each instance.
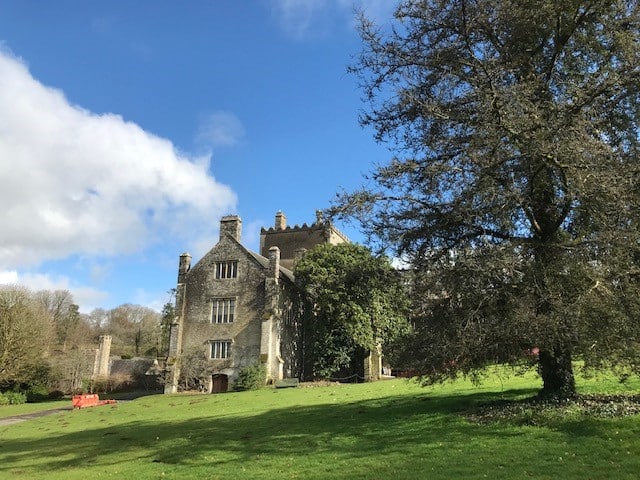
(220, 383)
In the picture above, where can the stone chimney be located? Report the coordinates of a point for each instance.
(184, 266)
(274, 262)
(281, 221)
(231, 225)
(298, 253)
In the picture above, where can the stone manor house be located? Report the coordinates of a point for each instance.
(235, 305)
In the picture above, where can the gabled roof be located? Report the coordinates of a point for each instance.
(265, 263)
(262, 261)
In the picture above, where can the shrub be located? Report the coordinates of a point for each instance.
(55, 394)
(37, 393)
(12, 398)
(121, 382)
(251, 378)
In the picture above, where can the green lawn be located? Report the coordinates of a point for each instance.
(11, 410)
(392, 429)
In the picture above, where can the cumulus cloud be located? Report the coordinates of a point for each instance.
(301, 18)
(219, 129)
(8, 277)
(86, 297)
(74, 182)
(380, 11)
(297, 17)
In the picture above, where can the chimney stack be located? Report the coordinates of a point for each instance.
(274, 262)
(281, 221)
(184, 266)
(231, 225)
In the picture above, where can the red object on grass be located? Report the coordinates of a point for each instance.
(89, 400)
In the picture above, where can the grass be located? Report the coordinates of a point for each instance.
(394, 429)
(11, 410)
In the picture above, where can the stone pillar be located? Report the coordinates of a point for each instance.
(373, 365)
(268, 336)
(101, 363)
(265, 344)
(177, 326)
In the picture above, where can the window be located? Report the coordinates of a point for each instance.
(221, 349)
(228, 269)
(223, 310)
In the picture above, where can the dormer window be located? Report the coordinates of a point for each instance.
(228, 269)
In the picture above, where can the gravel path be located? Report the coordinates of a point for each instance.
(29, 416)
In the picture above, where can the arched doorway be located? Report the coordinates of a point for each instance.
(219, 383)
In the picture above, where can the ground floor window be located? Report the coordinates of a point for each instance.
(221, 349)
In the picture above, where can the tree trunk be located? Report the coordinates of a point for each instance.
(556, 371)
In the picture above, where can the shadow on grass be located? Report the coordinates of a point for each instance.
(358, 430)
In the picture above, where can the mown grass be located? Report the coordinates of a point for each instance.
(26, 408)
(394, 429)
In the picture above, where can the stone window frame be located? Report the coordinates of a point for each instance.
(220, 349)
(223, 310)
(226, 269)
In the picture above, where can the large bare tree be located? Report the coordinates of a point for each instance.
(513, 191)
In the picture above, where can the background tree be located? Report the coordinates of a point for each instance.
(98, 319)
(69, 326)
(135, 330)
(356, 301)
(513, 191)
(168, 317)
(25, 334)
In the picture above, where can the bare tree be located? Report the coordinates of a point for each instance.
(136, 330)
(64, 313)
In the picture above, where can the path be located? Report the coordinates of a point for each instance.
(29, 416)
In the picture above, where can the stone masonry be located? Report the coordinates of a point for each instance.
(234, 306)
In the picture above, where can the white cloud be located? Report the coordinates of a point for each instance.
(380, 11)
(400, 263)
(152, 300)
(9, 277)
(298, 17)
(302, 18)
(86, 297)
(73, 182)
(220, 129)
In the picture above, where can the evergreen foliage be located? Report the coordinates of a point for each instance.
(12, 398)
(252, 377)
(355, 303)
(513, 191)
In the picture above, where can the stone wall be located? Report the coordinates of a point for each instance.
(266, 327)
(293, 240)
(247, 289)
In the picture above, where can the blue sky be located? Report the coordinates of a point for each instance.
(127, 129)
